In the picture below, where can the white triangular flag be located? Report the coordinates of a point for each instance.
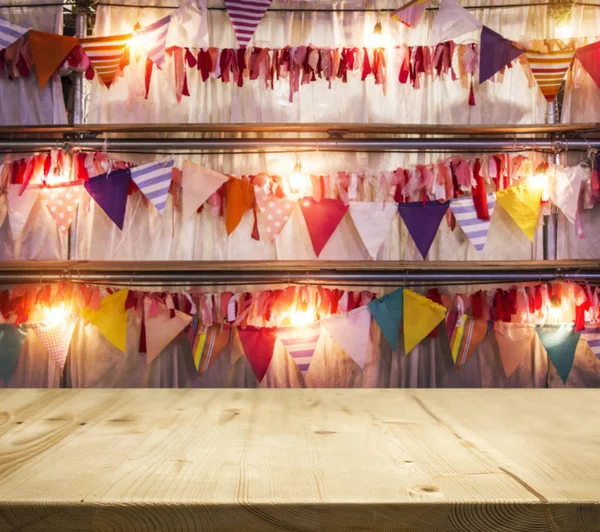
(373, 221)
(162, 329)
(189, 25)
(564, 188)
(19, 207)
(475, 228)
(352, 332)
(451, 21)
(198, 184)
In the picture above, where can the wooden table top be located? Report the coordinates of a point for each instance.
(297, 460)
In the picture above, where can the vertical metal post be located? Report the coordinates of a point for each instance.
(550, 235)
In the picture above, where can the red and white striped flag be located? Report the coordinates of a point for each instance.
(245, 16)
(105, 54)
(549, 69)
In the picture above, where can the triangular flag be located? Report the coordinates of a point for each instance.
(351, 332)
(258, 344)
(322, 219)
(56, 338)
(422, 221)
(301, 343)
(495, 53)
(19, 207)
(62, 203)
(110, 193)
(161, 328)
(245, 17)
(111, 318)
(421, 316)
(453, 20)
(153, 39)
(466, 215)
(387, 312)
(565, 186)
(49, 51)
(591, 333)
(198, 184)
(410, 14)
(191, 19)
(549, 69)
(105, 55)
(10, 33)
(154, 181)
(466, 333)
(275, 212)
(239, 198)
(523, 205)
(373, 222)
(589, 57)
(560, 342)
(11, 342)
(208, 344)
(514, 344)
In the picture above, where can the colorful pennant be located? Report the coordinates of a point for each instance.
(245, 17)
(208, 344)
(351, 332)
(589, 57)
(411, 12)
(49, 51)
(110, 193)
(465, 333)
(106, 55)
(11, 342)
(62, 204)
(10, 33)
(198, 184)
(453, 20)
(322, 219)
(275, 212)
(239, 199)
(154, 38)
(19, 207)
(387, 312)
(422, 219)
(373, 221)
(161, 328)
(258, 344)
(515, 342)
(474, 228)
(111, 318)
(421, 316)
(522, 203)
(549, 69)
(495, 52)
(56, 338)
(564, 187)
(154, 181)
(560, 342)
(301, 343)
(591, 333)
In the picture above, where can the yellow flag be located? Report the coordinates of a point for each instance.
(421, 316)
(111, 318)
(523, 205)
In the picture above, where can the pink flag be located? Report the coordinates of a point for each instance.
(56, 338)
(373, 222)
(411, 12)
(589, 57)
(515, 342)
(245, 16)
(322, 218)
(19, 207)
(352, 332)
(198, 184)
(274, 212)
(258, 344)
(161, 329)
(62, 203)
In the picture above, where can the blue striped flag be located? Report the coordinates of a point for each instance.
(301, 343)
(154, 180)
(154, 39)
(9, 33)
(466, 216)
(591, 333)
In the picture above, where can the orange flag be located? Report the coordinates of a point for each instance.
(49, 51)
(239, 197)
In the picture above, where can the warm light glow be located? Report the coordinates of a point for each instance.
(55, 179)
(138, 44)
(297, 181)
(376, 38)
(537, 180)
(54, 316)
(300, 318)
(564, 30)
(555, 311)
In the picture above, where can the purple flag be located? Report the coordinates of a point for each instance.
(495, 52)
(110, 193)
(422, 221)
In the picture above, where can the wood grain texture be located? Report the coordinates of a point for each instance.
(299, 460)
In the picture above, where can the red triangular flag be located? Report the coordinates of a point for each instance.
(245, 16)
(49, 51)
(62, 203)
(589, 57)
(322, 218)
(258, 344)
(549, 69)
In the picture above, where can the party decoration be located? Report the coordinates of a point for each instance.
(154, 39)
(258, 344)
(422, 220)
(11, 342)
(421, 316)
(111, 318)
(453, 20)
(19, 207)
(495, 53)
(564, 188)
(372, 221)
(474, 228)
(9, 33)
(351, 332)
(465, 333)
(549, 69)
(515, 342)
(110, 193)
(161, 328)
(411, 12)
(589, 57)
(301, 343)
(154, 181)
(245, 17)
(49, 51)
(198, 184)
(387, 312)
(106, 55)
(522, 203)
(56, 338)
(275, 212)
(208, 344)
(192, 21)
(560, 342)
(591, 333)
(62, 203)
(322, 219)
(239, 198)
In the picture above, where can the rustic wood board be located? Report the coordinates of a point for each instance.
(300, 460)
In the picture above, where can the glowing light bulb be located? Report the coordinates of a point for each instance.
(297, 181)
(555, 311)
(55, 315)
(300, 318)
(55, 179)
(537, 180)
(564, 30)
(138, 44)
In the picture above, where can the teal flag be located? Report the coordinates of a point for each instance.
(387, 311)
(11, 341)
(560, 342)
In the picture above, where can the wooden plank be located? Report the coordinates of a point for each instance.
(266, 460)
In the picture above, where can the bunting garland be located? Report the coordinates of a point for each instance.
(11, 341)
(549, 69)
(9, 33)
(245, 17)
(301, 343)
(106, 55)
(422, 219)
(560, 342)
(154, 180)
(475, 228)
(56, 338)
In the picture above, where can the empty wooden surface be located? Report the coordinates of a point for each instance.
(267, 460)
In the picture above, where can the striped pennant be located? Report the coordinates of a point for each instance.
(208, 344)
(466, 335)
(591, 333)
(549, 69)
(410, 14)
(154, 180)
(154, 39)
(245, 15)
(301, 343)
(106, 54)
(466, 216)
(9, 33)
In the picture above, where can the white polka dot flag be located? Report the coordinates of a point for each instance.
(591, 333)
(245, 16)
(275, 212)
(154, 180)
(466, 216)
(62, 204)
(9, 33)
(56, 338)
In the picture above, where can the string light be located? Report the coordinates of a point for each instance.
(555, 311)
(56, 315)
(539, 178)
(297, 181)
(301, 318)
